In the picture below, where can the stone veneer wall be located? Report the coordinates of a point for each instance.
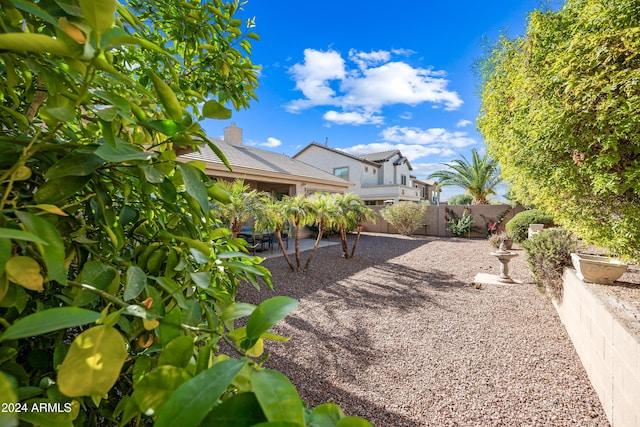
(609, 352)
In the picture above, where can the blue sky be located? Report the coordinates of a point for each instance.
(372, 76)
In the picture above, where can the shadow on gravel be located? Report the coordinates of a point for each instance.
(324, 391)
(329, 268)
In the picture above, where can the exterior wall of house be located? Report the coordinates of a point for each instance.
(359, 174)
(372, 183)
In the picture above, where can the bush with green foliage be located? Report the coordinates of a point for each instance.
(547, 253)
(560, 108)
(518, 226)
(406, 217)
(117, 283)
(460, 199)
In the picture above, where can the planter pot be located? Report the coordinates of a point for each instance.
(598, 269)
(535, 229)
(508, 244)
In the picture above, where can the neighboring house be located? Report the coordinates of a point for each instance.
(378, 178)
(428, 190)
(265, 170)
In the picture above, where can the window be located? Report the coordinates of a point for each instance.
(342, 173)
(366, 168)
(403, 179)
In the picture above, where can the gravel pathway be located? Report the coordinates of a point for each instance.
(399, 336)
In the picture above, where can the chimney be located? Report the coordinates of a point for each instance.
(233, 135)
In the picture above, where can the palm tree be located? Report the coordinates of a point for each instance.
(272, 217)
(351, 213)
(243, 205)
(297, 211)
(479, 177)
(322, 209)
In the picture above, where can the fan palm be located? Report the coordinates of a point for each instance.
(479, 177)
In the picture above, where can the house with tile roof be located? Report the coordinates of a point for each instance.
(378, 178)
(264, 170)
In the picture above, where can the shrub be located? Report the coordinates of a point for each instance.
(547, 253)
(518, 227)
(460, 199)
(406, 217)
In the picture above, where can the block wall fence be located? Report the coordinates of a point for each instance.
(434, 221)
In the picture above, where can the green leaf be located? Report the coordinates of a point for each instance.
(170, 326)
(96, 274)
(237, 310)
(214, 110)
(353, 422)
(167, 97)
(326, 415)
(65, 113)
(267, 314)
(153, 174)
(93, 363)
(25, 271)
(49, 320)
(54, 253)
(7, 395)
(241, 410)
(75, 164)
(166, 127)
(55, 190)
(59, 418)
(122, 152)
(177, 353)
(156, 387)
(100, 15)
(10, 233)
(135, 280)
(174, 290)
(202, 279)
(34, 43)
(193, 184)
(31, 8)
(278, 398)
(193, 400)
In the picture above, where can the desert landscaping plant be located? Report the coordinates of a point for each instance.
(460, 225)
(117, 283)
(559, 112)
(547, 254)
(406, 217)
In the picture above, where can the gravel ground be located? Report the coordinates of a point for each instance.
(399, 336)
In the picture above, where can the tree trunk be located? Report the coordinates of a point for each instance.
(284, 251)
(296, 227)
(316, 246)
(355, 243)
(343, 238)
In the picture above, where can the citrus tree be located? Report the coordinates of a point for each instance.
(117, 285)
(559, 112)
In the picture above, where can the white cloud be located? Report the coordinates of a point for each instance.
(353, 118)
(407, 115)
(372, 82)
(397, 83)
(463, 123)
(433, 136)
(271, 143)
(313, 78)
